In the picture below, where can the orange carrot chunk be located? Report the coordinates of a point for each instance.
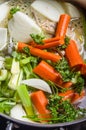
(83, 69)
(39, 53)
(67, 84)
(47, 72)
(68, 95)
(40, 102)
(48, 44)
(73, 56)
(62, 25)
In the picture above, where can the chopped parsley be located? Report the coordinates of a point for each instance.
(14, 10)
(38, 38)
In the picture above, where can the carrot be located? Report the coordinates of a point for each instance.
(47, 72)
(83, 69)
(67, 84)
(40, 102)
(40, 53)
(78, 96)
(73, 56)
(62, 26)
(68, 95)
(48, 44)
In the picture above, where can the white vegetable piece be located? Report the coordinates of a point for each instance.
(2, 59)
(4, 11)
(3, 38)
(37, 83)
(51, 9)
(18, 112)
(21, 26)
(71, 10)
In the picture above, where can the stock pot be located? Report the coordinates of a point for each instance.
(8, 123)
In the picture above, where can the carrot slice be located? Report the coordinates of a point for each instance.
(40, 102)
(68, 95)
(62, 25)
(47, 72)
(39, 53)
(73, 55)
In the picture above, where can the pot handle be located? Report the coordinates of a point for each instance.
(11, 125)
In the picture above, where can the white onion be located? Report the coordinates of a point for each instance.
(18, 112)
(21, 26)
(51, 9)
(3, 38)
(37, 83)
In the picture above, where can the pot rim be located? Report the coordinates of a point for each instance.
(33, 124)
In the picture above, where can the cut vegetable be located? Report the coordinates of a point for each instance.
(18, 112)
(40, 102)
(15, 69)
(37, 83)
(3, 74)
(3, 38)
(4, 9)
(72, 10)
(21, 26)
(25, 99)
(48, 9)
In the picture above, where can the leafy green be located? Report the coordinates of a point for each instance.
(14, 10)
(26, 50)
(67, 74)
(38, 38)
(67, 39)
(61, 111)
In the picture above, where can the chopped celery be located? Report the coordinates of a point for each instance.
(25, 99)
(15, 69)
(15, 80)
(8, 62)
(3, 74)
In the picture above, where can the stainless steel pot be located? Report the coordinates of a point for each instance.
(16, 124)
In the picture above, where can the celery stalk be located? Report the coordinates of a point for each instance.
(25, 98)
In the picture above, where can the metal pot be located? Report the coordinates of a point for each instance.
(11, 124)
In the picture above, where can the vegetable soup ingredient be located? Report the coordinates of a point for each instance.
(40, 53)
(3, 38)
(18, 112)
(47, 72)
(3, 74)
(62, 26)
(14, 10)
(61, 111)
(4, 8)
(52, 12)
(37, 83)
(21, 21)
(39, 99)
(73, 55)
(25, 99)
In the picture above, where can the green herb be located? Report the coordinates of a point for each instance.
(67, 39)
(26, 50)
(38, 38)
(69, 75)
(16, 55)
(61, 111)
(14, 10)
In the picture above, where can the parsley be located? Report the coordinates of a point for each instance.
(38, 38)
(61, 111)
(26, 50)
(14, 10)
(67, 39)
(69, 75)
